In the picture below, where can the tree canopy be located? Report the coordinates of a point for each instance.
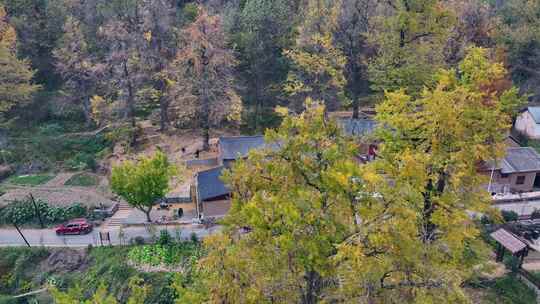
(16, 87)
(322, 228)
(143, 183)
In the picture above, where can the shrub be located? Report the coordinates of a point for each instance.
(164, 238)
(486, 220)
(509, 216)
(510, 290)
(138, 240)
(194, 237)
(512, 263)
(190, 12)
(82, 161)
(26, 212)
(61, 214)
(185, 253)
(535, 214)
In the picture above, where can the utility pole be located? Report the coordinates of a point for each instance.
(22, 235)
(38, 212)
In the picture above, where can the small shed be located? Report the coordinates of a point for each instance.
(511, 242)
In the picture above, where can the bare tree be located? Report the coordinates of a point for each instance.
(351, 35)
(204, 67)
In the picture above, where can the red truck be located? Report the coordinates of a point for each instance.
(75, 226)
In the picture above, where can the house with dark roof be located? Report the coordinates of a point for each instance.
(209, 184)
(528, 122)
(209, 187)
(518, 171)
(232, 148)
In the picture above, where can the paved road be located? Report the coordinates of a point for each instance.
(521, 208)
(48, 238)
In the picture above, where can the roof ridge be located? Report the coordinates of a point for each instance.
(509, 164)
(241, 136)
(208, 170)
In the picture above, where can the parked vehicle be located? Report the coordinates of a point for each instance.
(75, 226)
(164, 206)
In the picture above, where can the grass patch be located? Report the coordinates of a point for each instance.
(30, 180)
(535, 144)
(83, 180)
(55, 145)
(181, 253)
(509, 290)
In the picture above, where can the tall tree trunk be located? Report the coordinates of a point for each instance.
(148, 218)
(205, 109)
(161, 86)
(257, 104)
(130, 110)
(86, 104)
(87, 110)
(206, 137)
(402, 32)
(356, 107)
(355, 77)
(147, 214)
(431, 191)
(164, 116)
(313, 287)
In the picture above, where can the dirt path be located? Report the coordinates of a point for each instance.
(532, 266)
(59, 180)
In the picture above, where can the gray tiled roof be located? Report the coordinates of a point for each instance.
(238, 146)
(520, 159)
(516, 160)
(357, 127)
(210, 185)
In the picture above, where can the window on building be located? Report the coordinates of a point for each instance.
(504, 175)
(520, 180)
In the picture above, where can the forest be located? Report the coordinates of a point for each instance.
(445, 80)
(230, 63)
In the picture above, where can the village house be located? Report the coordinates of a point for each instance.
(210, 193)
(517, 172)
(528, 122)
(232, 148)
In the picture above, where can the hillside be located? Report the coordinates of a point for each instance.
(399, 162)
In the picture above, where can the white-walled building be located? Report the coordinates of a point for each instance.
(528, 122)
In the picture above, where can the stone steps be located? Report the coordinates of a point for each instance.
(119, 216)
